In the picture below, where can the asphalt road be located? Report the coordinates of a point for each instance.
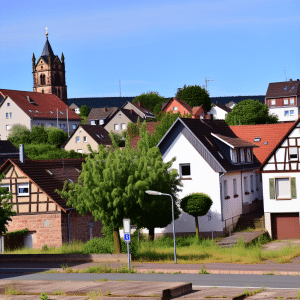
(209, 280)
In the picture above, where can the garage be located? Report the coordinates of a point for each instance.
(285, 226)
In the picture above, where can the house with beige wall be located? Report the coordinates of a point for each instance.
(38, 206)
(34, 109)
(141, 110)
(86, 135)
(119, 120)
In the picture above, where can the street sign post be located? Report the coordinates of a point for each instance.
(127, 237)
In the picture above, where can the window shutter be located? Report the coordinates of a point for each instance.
(293, 188)
(272, 188)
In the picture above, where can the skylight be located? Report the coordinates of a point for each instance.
(30, 110)
(51, 111)
(257, 139)
(221, 155)
(61, 112)
(265, 143)
(51, 173)
(285, 88)
(293, 87)
(70, 180)
(36, 111)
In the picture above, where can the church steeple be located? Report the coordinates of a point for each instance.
(49, 72)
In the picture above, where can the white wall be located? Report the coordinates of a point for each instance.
(279, 111)
(218, 113)
(204, 180)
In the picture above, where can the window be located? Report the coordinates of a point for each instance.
(77, 139)
(293, 151)
(123, 126)
(23, 189)
(185, 170)
(60, 126)
(292, 101)
(249, 155)
(64, 126)
(285, 101)
(79, 150)
(235, 195)
(119, 115)
(10, 115)
(74, 126)
(8, 104)
(101, 122)
(30, 110)
(93, 122)
(36, 111)
(6, 115)
(8, 127)
(246, 191)
(6, 187)
(283, 188)
(51, 124)
(61, 112)
(43, 79)
(286, 113)
(85, 139)
(251, 184)
(233, 155)
(242, 155)
(175, 108)
(273, 102)
(257, 139)
(42, 124)
(292, 112)
(116, 126)
(43, 92)
(225, 184)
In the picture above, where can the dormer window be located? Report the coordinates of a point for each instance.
(292, 101)
(249, 155)
(242, 155)
(233, 155)
(285, 101)
(293, 151)
(273, 102)
(257, 139)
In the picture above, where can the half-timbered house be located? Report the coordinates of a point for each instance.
(281, 179)
(39, 208)
(211, 159)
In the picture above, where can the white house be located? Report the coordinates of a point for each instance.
(219, 111)
(211, 159)
(281, 179)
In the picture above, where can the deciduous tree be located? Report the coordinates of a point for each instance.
(151, 100)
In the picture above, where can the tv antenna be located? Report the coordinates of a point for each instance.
(207, 80)
(285, 74)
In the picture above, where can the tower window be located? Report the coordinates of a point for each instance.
(43, 79)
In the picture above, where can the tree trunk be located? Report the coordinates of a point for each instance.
(151, 234)
(197, 227)
(117, 241)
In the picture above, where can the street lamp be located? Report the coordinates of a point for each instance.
(174, 238)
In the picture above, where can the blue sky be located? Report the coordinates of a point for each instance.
(154, 45)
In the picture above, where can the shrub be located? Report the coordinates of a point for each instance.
(56, 136)
(19, 134)
(99, 246)
(38, 135)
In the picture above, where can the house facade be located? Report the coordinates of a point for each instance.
(86, 135)
(100, 116)
(219, 111)
(211, 159)
(139, 109)
(34, 109)
(282, 99)
(281, 178)
(39, 208)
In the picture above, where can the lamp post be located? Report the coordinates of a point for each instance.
(173, 222)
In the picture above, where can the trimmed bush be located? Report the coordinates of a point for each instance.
(98, 246)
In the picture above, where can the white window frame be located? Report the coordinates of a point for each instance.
(85, 139)
(8, 104)
(101, 122)
(175, 108)
(249, 155)
(74, 126)
(79, 150)
(77, 139)
(286, 113)
(123, 126)
(277, 185)
(8, 127)
(292, 112)
(180, 170)
(20, 186)
(93, 122)
(292, 101)
(273, 102)
(225, 185)
(7, 116)
(293, 151)
(242, 155)
(116, 127)
(233, 155)
(285, 101)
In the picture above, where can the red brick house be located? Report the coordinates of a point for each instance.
(39, 208)
(177, 105)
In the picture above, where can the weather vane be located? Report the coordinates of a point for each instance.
(46, 32)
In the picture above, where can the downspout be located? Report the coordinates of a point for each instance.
(242, 190)
(69, 224)
(221, 195)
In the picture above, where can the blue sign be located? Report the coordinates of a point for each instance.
(127, 237)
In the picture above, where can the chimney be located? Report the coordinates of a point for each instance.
(139, 103)
(28, 98)
(21, 153)
(104, 109)
(131, 110)
(297, 79)
(291, 79)
(209, 117)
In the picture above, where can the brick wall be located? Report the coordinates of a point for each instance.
(46, 228)
(80, 226)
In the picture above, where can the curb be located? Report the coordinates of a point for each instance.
(176, 291)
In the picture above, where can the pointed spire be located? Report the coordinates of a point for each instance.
(47, 32)
(33, 61)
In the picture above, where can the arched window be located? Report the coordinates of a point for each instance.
(43, 80)
(58, 93)
(56, 79)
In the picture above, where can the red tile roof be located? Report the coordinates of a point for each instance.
(185, 105)
(150, 127)
(268, 133)
(39, 106)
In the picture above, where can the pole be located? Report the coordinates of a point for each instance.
(212, 236)
(174, 237)
(128, 251)
(230, 237)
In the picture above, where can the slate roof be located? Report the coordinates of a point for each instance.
(227, 109)
(268, 133)
(283, 89)
(100, 113)
(36, 171)
(130, 114)
(236, 99)
(47, 51)
(142, 108)
(41, 105)
(150, 127)
(97, 102)
(202, 130)
(235, 142)
(7, 150)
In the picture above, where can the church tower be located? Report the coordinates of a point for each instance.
(49, 73)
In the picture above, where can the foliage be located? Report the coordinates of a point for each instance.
(19, 134)
(84, 111)
(17, 233)
(99, 245)
(6, 208)
(194, 95)
(250, 112)
(56, 136)
(38, 135)
(196, 205)
(44, 296)
(112, 187)
(117, 137)
(133, 129)
(151, 100)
